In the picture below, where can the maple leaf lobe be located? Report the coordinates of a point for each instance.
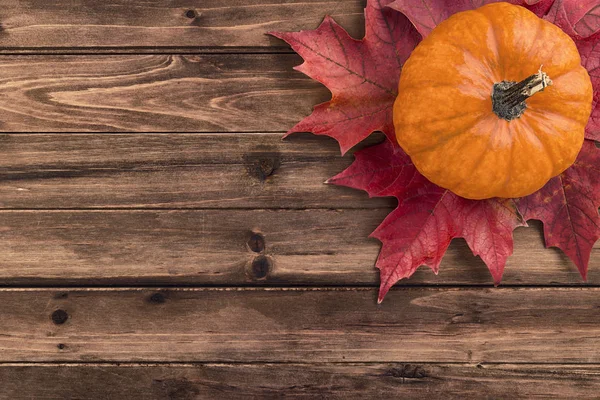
(362, 75)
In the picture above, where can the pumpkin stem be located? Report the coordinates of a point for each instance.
(508, 98)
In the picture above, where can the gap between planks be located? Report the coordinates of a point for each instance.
(191, 364)
(97, 51)
(298, 289)
(282, 286)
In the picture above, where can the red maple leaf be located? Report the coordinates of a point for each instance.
(428, 217)
(361, 74)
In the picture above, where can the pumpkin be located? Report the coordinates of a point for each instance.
(493, 103)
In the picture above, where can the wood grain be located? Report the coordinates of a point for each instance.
(302, 381)
(301, 325)
(174, 171)
(213, 247)
(241, 218)
(165, 23)
(155, 93)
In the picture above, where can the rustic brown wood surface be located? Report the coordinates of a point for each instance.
(160, 240)
(149, 25)
(174, 171)
(240, 247)
(344, 324)
(302, 381)
(155, 93)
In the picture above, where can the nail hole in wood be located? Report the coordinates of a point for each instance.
(59, 317)
(191, 14)
(61, 346)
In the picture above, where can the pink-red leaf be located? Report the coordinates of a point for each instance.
(578, 18)
(487, 227)
(416, 233)
(427, 14)
(361, 74)
(428, 217)
(568, 207)
(381, 170)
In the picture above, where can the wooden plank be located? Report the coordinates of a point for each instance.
(165, 23)
(301, 325)
(305, 381)
(174, 171)
(200, 247)
(155, 93)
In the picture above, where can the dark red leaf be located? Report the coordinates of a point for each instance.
(361, 74)
(381, 170)
(427, 14)
(578, 18)
(416, 233)
(568, 207)
(487, 227)
(428, 217)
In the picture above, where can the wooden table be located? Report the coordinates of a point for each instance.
(163, 242)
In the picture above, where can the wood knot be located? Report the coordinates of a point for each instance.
(157, 298)
(59, 317)
(262, 166)
(256, 243)
(260, 268)
(408, 372)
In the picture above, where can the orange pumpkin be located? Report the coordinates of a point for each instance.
(477, 115)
